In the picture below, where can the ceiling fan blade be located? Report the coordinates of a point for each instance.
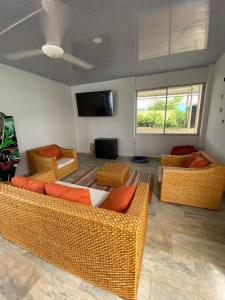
(23, 54)
(54, 21)
(77, 61)
(21, 20)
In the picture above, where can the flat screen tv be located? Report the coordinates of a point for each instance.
(98, 104)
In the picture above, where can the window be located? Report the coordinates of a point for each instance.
(173, 110)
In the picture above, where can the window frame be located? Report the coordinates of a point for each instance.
(173, 134)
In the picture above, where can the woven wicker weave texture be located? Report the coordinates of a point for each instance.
(100, 246)
(38, 163)
(196, 187)
(113, 174)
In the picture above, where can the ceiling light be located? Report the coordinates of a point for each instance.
(97, 40)
(52, 51)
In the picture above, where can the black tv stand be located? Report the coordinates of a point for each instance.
(106, 148)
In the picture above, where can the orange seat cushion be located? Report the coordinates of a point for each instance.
(33, 185)
(119, 199)
(188, 161)
(53, 151)
(68, 193)
(199, 162)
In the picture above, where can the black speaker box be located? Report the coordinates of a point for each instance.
(106, 148)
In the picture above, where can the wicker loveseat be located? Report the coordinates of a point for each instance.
(201, 187)
(38, 163)
(98, 245)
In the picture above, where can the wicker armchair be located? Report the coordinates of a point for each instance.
(98, 245)
(38, 163)
(201, 187)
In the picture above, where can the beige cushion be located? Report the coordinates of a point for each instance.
(62, 162)
(97, 196)
(160, 171)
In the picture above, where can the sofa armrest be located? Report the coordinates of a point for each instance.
(46, 175)
(44, 163)
(193, 186)
(188, 176)
(173, 160)
(140, 200)
(69, 153)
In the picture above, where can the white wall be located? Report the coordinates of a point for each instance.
(42, 110)
(189, 76)
(215, 135)
(122, 125)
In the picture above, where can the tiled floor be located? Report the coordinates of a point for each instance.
(184, 257)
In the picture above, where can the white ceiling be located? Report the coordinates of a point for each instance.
(138, 37)
(166, 30)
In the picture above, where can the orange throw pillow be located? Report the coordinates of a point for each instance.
(199, 162)
(188, 161)
(33, 185)
(50, 152)
(119, 199)
(68, 193)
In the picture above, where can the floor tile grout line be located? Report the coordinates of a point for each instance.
(39, 279)
(169, 285)
(198, 286)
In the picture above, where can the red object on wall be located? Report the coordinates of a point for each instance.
(183, 150)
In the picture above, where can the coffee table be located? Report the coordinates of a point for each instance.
(112, 174)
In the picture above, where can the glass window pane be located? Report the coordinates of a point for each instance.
(151, 111)
(183, 108)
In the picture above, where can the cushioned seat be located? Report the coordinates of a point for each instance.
(62, 162)
(97, 196)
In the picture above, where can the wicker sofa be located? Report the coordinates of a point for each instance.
(102, 247)
(201, 187)
(38, 163)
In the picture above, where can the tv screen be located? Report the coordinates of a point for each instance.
(95, 104)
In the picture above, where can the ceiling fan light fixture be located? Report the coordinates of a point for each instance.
(52, 51)
(97, 40)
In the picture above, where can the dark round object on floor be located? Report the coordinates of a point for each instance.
(140, 159)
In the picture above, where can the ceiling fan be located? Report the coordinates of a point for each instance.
(54, 18)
